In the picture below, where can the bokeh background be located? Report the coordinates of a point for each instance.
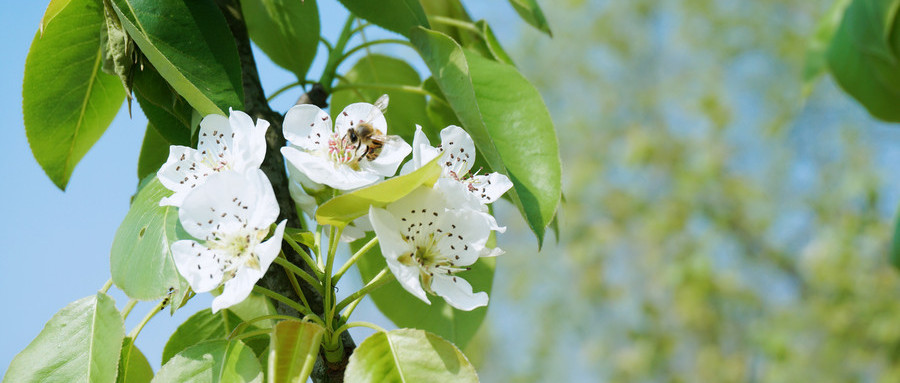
(722, 222)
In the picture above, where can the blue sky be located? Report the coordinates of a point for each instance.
(56, 244)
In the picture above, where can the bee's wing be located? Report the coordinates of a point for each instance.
(380, 105)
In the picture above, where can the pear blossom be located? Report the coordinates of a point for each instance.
(426, 241)
(327, 155)
(231, 214)
(225, 143)
(457, 151)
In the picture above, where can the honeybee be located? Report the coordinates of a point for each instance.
(367, 138)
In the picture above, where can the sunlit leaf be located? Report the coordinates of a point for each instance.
(80, 343)
(815, 64)
(293, 351)
(133, 365)
(286, 30)
(67, 101)
(212, 362)
(530, 11)
(154, 152)
(394, 15)
(408, 355)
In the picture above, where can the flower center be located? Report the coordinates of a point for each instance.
(341, 150)
(429, 260)
(240, 248)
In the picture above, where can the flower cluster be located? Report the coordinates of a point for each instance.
(225, 201)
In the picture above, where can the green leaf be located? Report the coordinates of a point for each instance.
(200, 327)
(408, 355)
(53, 9)
(399, 16)
(80, 343)
(452, 9)
(405, 109)
(815, 64)
(293, 351)
(863, 56)
(213, 361)
(301, 236)
(140, 260)
(189, 43)
(133, 365)
(894, 256)
(67, 101)
(493, 45)
(506, 118)
(341, 210)
(405, 310)
(154, 151)
(169, 113)
(530, 11)
(286, 30)
(438, 110)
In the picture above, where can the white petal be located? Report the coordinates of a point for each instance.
(182, 171)
(297, 176)
(457, 195)
(408, 277)
(463, 233)
(356, 229)
(392, 247)
(458, 292)
(486, 252)
(417, 214)
(216, 138)
(422, 152)
(197, 264)
(305, 201)
(458, 149)
(354, 114)
(223, 204)
(307, 126)
(489, 187)
(268, 250)
(237, 289)
(249, 140)
(392, 154)
(323, 171)
(263, 211)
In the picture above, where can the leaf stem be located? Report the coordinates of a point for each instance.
(241, 327)
(252, 334)
(288, 87)
(106, 286)
(383, 277)
(137, 329)
(354, 258)
(374, 42)
(128, 306)
(334, 238)
(456, 23)
(281, 298)
(350, 325)
(336, 54)
(397, 87)
(286, 265)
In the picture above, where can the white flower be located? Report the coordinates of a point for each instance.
(327, 156)
(231, 212)
(457, 151)
(426, 243)
(233, 143)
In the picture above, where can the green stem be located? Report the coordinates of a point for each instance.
(335, 55)
(383, 277)
(374, 42)
(127, 310)
(456, 23)
(252, 333)
(354, 258)
(397, 87)
(281, 298)
(288, 87)
(327, 44)
(337, 333)
(241, 327)
(320, 260)
(306, 257)
(359, 28)
(137, 330)
(106, 286)
(298, 271)
(334, 238)
(287, 266)
(345, 316)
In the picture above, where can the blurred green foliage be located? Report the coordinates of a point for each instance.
(718, 227)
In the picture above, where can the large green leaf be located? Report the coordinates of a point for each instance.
(67, 101)
(168, 112)
(140, 260)
(287, 30)
(405, 109)
(815, 54)
(399, 16)
(154, 151)
(530, 11)
(405, 310)
(81, 343)
(212, 362)
(133, 365)
(53, 9)
(341, 210)
(864, 56)
(293, 351)
(408, 355)
(189, 43)
(506, 118)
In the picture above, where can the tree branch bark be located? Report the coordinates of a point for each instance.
(255, 104)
